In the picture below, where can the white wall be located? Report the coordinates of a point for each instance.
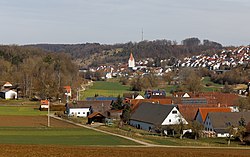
(78, 112)
(174, 118)
(11, 94)
(142, 125)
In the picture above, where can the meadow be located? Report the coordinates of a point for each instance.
(28, 125)
(104, 88)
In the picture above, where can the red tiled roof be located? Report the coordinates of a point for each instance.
(136, 102)
(96, 114)
(44, 102)
(205, 111)
(189, 111)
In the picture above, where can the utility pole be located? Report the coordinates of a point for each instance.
(48, 112)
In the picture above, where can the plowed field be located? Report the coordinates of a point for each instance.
(32, 121)
(64, 151)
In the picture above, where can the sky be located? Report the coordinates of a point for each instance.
(120, 21)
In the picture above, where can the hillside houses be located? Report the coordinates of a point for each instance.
(223, 60)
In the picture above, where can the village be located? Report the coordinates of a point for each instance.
(195, 115)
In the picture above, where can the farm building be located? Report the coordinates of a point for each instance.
(150, 116)
(8, 94)
(217, 123)
(85, 108)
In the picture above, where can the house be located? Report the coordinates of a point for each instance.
(44, 104)
(150, 116)
(85, 108)
(202, 112)
(217, 123)
(154, 94)
(139, 97)
(96, 117)
(8, 94)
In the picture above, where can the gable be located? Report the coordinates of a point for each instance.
(152, 113)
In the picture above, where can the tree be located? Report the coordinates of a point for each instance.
(126, 113)
(191, 42)
(196, 129)
(241, 130)
(232, 132)
(137, 84)
(117, 105)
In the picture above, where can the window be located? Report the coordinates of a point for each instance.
(83, 113)
(79, 113)
(174, 112)
(179, 120)
(169, 120)
(72, 112)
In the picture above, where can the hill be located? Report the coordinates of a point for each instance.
(96, 54)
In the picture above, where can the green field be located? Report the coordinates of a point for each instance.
(59, 136)
(103, 88)
(20, 111)
(213, 86)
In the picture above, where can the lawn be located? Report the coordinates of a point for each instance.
(103, 88)
(20, 110)
(213, 86)
(58, 136)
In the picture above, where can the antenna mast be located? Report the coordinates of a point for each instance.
(142, 34)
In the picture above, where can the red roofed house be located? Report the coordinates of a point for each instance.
(201, 114)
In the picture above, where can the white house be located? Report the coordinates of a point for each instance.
(8, 94)
(78, 112)
(150, 116)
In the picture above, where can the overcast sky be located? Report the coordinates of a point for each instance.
(121, 21)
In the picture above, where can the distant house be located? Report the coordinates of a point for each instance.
(85, 108)
(8, 94)
(44, 104)
(202, 112)
(155, 94)
(96, 117)
(150, 116)
(217, 123)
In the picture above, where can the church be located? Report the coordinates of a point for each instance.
(131, 61)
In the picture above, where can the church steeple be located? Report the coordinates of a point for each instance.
(131, 61)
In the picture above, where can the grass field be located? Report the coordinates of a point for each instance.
(212, 87)
(20, 110)
(28, 125)
(103, 88)
(58, 136)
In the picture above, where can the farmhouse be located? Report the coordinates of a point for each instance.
(202, 112)
(217, 123)
(85, 108)
(8, 94)
(150, 116)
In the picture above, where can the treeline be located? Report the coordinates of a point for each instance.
(160, 49)
(35, 72)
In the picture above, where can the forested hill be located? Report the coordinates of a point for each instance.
(95, 53)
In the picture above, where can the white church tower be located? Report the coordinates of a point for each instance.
(131, 61)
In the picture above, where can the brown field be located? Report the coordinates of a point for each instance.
(32, 121)
(64, 151)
